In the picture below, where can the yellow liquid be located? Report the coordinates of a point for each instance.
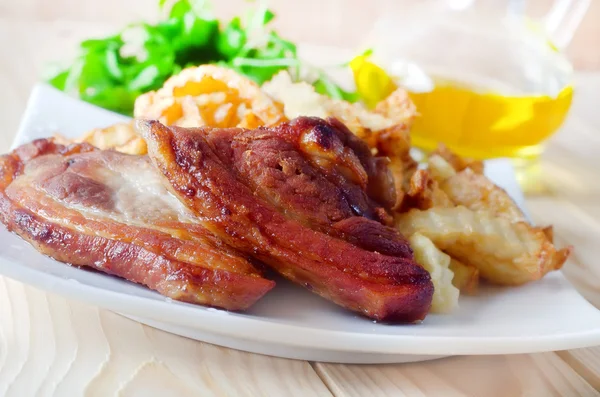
(482, 124)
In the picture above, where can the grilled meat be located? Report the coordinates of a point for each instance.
(110, 211)
(309, 216)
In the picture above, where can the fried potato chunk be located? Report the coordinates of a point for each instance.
(457, 162)
(445, 295)
(209, 95)
(423, 192)
(394, 142)
(121, 137)
(477, 192)
(439, 168)
(504, 252)
(397, 107)
(466, 278)
(474, 191)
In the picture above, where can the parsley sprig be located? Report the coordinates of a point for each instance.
(112, 71)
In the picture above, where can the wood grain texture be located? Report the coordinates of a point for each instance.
(586, 362)
(515, 375)
(50, 346)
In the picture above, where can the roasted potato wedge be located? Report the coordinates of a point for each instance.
(477, 192)
(397, 107)
(121, 137)
(466, 278)
(439, 168)
(457, 162)
(504, 252)
(474, 191)
(423, 192)
(445, 296)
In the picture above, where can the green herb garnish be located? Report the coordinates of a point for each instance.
(111, 72)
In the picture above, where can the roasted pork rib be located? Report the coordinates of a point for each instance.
(317, 173)
(304, 198)
(110, 211)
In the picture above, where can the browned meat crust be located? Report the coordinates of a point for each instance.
(314, 172)
(230, 203)
(73, 204)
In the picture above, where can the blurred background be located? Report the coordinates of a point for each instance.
(328, 22)
(38, 31)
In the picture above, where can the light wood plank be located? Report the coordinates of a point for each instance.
(586, 362)
(51, 346)
(516, 375)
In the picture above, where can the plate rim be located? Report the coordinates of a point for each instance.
(221, 322)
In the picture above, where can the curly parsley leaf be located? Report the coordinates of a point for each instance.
(112, 71)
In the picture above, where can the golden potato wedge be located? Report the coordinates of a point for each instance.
(474, 191)
(135, 146)
(121, 137)
(394, 143)
(61, 139)
(423, 193)
(397, 107)
(445, 295)
(466, 278)
(477, 192)
(457, 162)
(209, 95)
(504, 252)
(439, 168)
(110, 137)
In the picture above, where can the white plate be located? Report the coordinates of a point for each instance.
(290, 321)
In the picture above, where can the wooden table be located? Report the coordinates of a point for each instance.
(53, 346)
